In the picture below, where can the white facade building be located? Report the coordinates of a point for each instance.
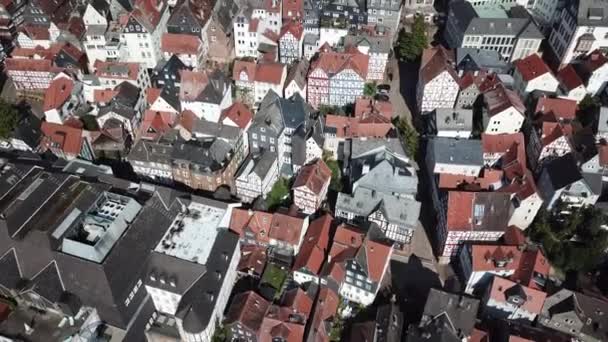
(141, 36)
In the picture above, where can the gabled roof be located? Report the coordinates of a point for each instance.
(500, 98)
(257, 222)
(459, 310)
(556, 109)
(58, 92)
(294, 27)
(238, 113)
(191, 13)
(248, 309)
(478, 211)
(286, 228)
(335, 62)
(501, 143)
(562, 171)
(315, 245)
(285, 331)
(531, 67)
(119, 70)
(503, 289)
(180, 44)
(347, 240)
(377, 255)
(314, 176)
(62, 137)
(148, 13)
(435, 61)
(156, 124)
(297, 73)
(269, 72)
(568, 77)
(248, 67)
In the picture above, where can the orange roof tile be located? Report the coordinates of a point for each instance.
(502, 287)
(294, 27)
(315, 245)
(531, 67)
(246, 67)
(460, 210)
(65, 138)
(238, 113)
(378, 254)
(556, 109)
(286, 229)
(59, 91)
(180, 44)
(569, 78)
(269, 73)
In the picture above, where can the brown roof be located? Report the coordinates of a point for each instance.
(58, 93)
(238, 113)
(36, 32)
(366, 105)
(243, 66)
(531, 67)
(460, 210)
(192, 84)
(533, 264)
(602, 150)
(315, 176)
(500, 98)
(346, 242)
(269, 72)
(485, 181)
(371, 126)
(569, 78)
(248, 309)
(155, 124)
(61, 137)
(253, 258)
(180, 44)
(435, 61)
(495, 258)
(288, 332)
(104, 95)
(501, 143)
(295, 7)
(315, 245)
(325, 309)
(297, 301)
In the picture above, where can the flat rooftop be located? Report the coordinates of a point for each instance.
(193, 232)
(491, 12)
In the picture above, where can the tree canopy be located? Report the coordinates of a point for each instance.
(411, 44)
(9, 118)
(336, 173)
(370, 89)
(279, 194)
(573, 238)
(409, 135)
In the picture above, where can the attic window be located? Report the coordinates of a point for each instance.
(596, 13)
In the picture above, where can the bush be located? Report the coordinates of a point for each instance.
(336, 173)
(409, 136)
(279, 195)
(9, 118)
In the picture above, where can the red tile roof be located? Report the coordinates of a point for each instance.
(18, 64)
(315, 245)
(347, 240)
(59, 91)
(288, 332)
(192, 84)
(487, 179)
(366, 105)
(238, 113)
(103, 95)
(495, 258)
(523, 186)
(595, 60)
(531, 67)
(36, 32)
(243, 66)
(377, 256)
(180, 44)
(552, 131)
(556, 108)
(253, 25)
(335, 62)
(294, 27)
(155, 124)
(253, 258)
(514, 236)
(500, 290)
(325, 310)
(533, 263)
(298, 302)
(569, 78)
(270, 72)
(373, 126)
(152, 95)
(248, 309)
(61, 137)
(292, 9)
(315, 176)
(257, 222)
(501, 143)
(460, 210)
(287, 229)
(435, 61)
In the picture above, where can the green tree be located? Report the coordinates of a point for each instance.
(411, 44)
(220, 334)
(9, 118)
(370, 89)
(409, 136)
(279, 194)
(574, 238)
(336, 173)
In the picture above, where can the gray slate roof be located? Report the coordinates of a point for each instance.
(448, 119)
(376, 44)
(602, 125)
(460, 309)
(149, 151)
(456, 151)
(592, 12)
(390, 176)
(489, 59)
(277, 113)
(400, 211)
